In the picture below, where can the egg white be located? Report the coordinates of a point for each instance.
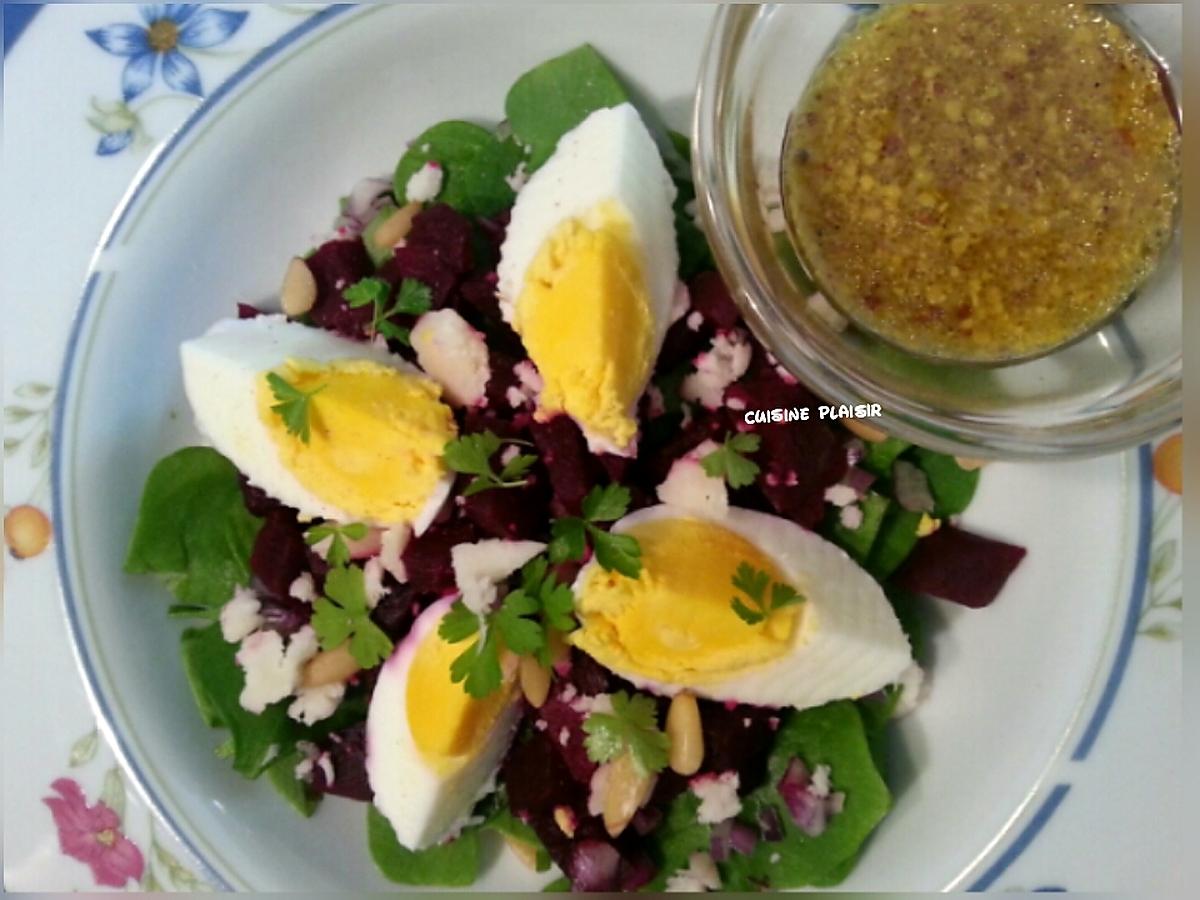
(849, 642)
(221, 373)
(610, 156)
(424, 806)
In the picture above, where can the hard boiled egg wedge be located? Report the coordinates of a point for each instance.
(377, 426)
(675, 627)
(433, 750)
(587, 273)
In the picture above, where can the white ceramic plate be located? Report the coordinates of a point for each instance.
(250, 179)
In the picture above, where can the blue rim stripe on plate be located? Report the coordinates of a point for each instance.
(1138, 592)
(70, 605)
(994, 871)
(1031, 830)
(17, 17)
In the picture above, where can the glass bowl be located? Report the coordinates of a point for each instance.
(1116, 387)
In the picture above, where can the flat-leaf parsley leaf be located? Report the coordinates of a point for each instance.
(472, 454)
(615, 552)
(344, 615)
(292, 405)
(413, 298)
(338, 553)
(631, 726)
(753, 583)
(729, 461)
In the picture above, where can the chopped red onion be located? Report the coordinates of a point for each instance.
(721, 841)
(646, 819)
(859, 480)
(855, 451)
(742, 838)
(594, 866)
(770, 824)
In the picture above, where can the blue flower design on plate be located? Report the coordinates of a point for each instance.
(168, 27)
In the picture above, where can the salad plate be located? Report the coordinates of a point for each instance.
(1012, 692)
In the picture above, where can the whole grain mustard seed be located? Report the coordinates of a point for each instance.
(982, 182)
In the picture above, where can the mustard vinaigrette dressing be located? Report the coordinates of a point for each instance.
(982, 182)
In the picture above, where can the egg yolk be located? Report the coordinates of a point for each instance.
(376, 436)
(675, 622)
(584, 315)
(448, 725)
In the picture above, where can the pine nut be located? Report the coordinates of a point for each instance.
(522, 850)
(564, 818)
(965, 462)
(535, 681)
(299, 291)
(626, 790)
(26, 531)
(395, 227)
(687, 739)
(329, 667)
(868, 433)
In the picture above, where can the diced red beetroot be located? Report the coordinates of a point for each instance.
(499, 421)
(737, 738)
(959, 566)
(502, 378)
(396, 611)
(705, 424)
(646, 819)
(279, 554)
(248, 311)
(427, 558)
(285, 615)
(682, 344)
(711, 297)
(258, 502)
(511, 513)
(538, 780)
(335, 266)
(445, 234)
(560, 716)
(588, 676)
(799, 460)
(594, 866)
(347, 751)
(573, 471)
(478, 294)
(422, 264)
(615, 467)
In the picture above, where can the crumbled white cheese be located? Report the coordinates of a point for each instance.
(373, 571)
(695, 319)
(681, 302)
(700, 875)
(851, 517)
(424, 184)
(240, 615)
(718, 368)
(303, 588)
(586, 705)
(517, 179)
(689, 488)
(737, 404)
(529, 385)
(819, 782)
(821, 308)
(718, 797)
(911, 682)
(691, 211)
(453, 354)
(840, 494)
(272, 672)
(564, 736)
(303, 770)
(774, 858)
(391, 550)
(478, 567)
(316, 703)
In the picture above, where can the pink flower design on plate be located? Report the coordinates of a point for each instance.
(92, 835)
